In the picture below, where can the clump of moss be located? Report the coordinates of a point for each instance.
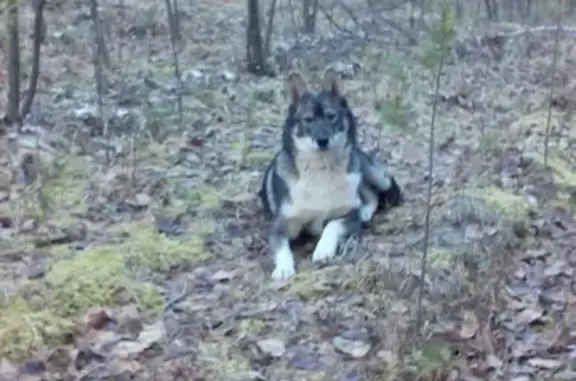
(65, 187)
(511, 205)
(219, 361)
(500, 204)
(145, 247)
(44, 312)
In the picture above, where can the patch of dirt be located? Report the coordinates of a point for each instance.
(144, 256)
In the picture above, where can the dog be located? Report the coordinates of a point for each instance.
(321, 182)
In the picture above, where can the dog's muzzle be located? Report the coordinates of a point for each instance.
(323, 143)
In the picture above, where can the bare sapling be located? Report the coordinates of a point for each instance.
(174, 37)
(441, 38)
(98, 57)
(553, 84)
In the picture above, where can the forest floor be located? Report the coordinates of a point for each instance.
(143, 256)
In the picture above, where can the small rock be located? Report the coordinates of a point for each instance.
(273, 347)
(354, 348)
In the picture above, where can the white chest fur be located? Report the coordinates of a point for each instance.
(322, 192)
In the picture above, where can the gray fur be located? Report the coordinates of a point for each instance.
(320, 181)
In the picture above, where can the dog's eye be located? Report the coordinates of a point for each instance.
(307, 119)
(331, 116)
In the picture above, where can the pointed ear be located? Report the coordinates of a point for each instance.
(331, 82)
(296, 86)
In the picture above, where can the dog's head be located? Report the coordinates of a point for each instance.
(317, 121)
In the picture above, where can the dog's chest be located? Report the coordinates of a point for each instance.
(320, 194)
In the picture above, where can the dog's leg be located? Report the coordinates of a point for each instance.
(334, 232)
(390, 192)
(283, 255)
(369, 203)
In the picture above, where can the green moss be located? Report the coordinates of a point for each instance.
(511, 206)
(24, 329)
(206, 196)
(308, 283)
(257, 157)
(220, 362)
(563, 174)
(145, 247)
(442, 258)
(97, 277)
(251, 326)
(44, 312)
(64, 188)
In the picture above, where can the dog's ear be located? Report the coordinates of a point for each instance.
(331, 82)
(296, 85)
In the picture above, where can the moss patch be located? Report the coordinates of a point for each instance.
(563, 174)
(45, 311)
(510, 206)
(65, 188)
(220, 362)
(313, 282)
(145, 247)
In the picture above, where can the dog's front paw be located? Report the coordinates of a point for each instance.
(282, 272)
(367, 211)
(325, 249)
(284, 264)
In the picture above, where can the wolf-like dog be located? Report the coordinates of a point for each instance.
(320, 181)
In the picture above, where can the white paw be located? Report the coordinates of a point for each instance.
(284, 264)
(328, 244)
(367, 211)
(324, 251)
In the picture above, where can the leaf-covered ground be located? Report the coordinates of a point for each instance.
(144, 256)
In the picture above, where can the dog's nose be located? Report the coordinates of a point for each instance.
(322, 143)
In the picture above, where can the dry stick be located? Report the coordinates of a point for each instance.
(173, 38)
(38, 35)
(553, 85)
(431, 145)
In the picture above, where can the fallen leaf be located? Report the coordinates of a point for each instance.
(139, 200)
(273, 347)
(96, 318)
(544, 363)
(223, 275)
(354, 348)
(470, 325)
(528, 316)
(149, 336)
